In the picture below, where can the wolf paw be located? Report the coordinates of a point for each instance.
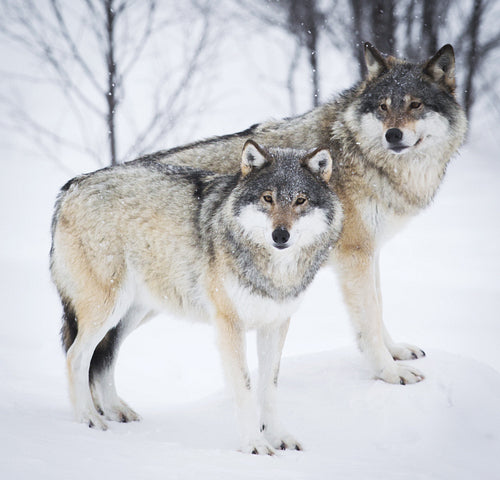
(402, 374)
(404, 351)
(118, 412)
(258, 447)
(93, 420)
(279, 439)
(286, 442)
(121, 413)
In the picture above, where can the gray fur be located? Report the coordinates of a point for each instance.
(138, 238)
(381, 184)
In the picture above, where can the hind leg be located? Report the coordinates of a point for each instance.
(78, 363)
(94, 321)
(102, 369)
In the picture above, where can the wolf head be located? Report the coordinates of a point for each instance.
(406, 107)
(283, 199)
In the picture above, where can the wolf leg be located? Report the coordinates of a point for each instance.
(270, 341)
(232, 346)
(358, 276)
(399, 351)
(78, 364)
(97, 313)
(102, 369)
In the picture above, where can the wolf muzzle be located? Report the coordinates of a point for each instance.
(280, 237)
(393, 135)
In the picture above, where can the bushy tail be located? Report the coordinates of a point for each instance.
(69, 328)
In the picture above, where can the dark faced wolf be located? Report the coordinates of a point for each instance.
(391, 136)
(237, 250)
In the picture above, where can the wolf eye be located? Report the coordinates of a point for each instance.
(300, 201)
(267, 198)
(383, 107)
(415, 105)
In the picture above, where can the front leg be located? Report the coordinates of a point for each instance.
(270, 341)
(399, 351)
(232, 346)
(359, 280)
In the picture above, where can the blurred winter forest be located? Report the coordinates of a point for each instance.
(108, 80)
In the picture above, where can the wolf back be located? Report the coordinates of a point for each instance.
(391, 137)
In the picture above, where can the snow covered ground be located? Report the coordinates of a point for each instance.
(441, 292)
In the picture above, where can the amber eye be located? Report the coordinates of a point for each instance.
(383, 107)
(415, 105)
(267, 198)
(300, 201)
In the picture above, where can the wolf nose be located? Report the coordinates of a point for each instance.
(280, 236)
(393, 135)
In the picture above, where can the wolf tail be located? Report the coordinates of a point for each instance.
(69, 329)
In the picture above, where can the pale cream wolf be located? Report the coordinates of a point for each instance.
(237, 250)
(391, 138)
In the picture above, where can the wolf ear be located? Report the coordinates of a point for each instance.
(253, 156)
(320, 163)
(441, 68)
(375, 62)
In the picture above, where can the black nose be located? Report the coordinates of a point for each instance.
(393, 135)
(281, 236)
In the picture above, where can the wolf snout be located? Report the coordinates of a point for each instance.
(393, 135)
(280, 237)
(394, 138)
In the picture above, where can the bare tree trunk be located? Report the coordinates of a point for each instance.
(111, 66)
(472, 54)
(384, 25)
(430, 24)
(376, 25)
(312, 48)
(303, 19)
(410, 46)
(357, 34)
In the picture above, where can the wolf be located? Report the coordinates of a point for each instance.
(392, 136)
(237, 250)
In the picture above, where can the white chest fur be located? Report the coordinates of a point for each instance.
(255, 310)
(384, 224)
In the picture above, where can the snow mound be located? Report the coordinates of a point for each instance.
(351, 426)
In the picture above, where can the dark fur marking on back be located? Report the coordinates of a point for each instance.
(161, 154)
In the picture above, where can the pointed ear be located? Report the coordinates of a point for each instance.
(441, 68)
(253, 156)
(320, 163)
(375, 62)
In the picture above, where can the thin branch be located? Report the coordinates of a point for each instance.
(490, 45)
(25, 122)
(72, 46)
(141, 42)
(96, 18)
(159, 120)
(33, 40)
